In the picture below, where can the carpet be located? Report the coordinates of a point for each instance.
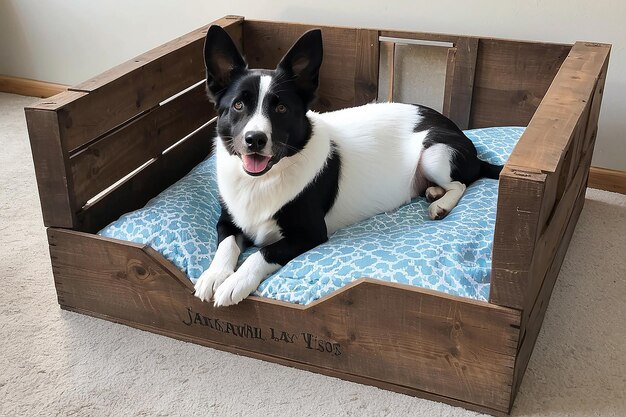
(57, 363)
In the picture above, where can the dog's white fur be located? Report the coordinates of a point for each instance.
(379, 155)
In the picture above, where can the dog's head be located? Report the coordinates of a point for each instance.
(262, 113)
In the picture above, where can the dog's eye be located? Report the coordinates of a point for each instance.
(281, 108)
(238, 105)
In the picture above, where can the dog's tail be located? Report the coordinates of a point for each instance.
(489, 170)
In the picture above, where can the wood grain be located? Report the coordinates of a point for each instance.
(511, 79)
(140, 84)
(607, 179)
(28, 87)
(348, 59)
(148, 182)
(420, 341)
(544, 161)
(51, 165)
(115, 155)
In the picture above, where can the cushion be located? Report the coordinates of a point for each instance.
(452, 255)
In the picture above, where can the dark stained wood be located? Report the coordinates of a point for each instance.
(366, 72)
(148, 182)
(555, 137)
(138, 85)
(136, 191)
(414, 336)
(51, 163)
(117, 154)
(517, 215)
(510, 80)
(449, 81)
(265, 43)
(397, 337)
(533, 316)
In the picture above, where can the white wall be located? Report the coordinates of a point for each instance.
(68, 41)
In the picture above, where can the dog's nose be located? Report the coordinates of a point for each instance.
(255, 140)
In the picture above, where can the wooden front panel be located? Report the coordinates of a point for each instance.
(414, 339)
(349, 73)
(511, 79)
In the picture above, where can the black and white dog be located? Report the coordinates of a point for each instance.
(289, 177)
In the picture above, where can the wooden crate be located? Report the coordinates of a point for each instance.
(108, 145)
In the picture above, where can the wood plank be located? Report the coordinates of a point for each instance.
(517, 222)
(140, 84)
(532, 324)
(265, 43)
(117, 154)
(413, 338)
(147, 183)
(366, 72)
(28, 87)
(448, 85)
(51, 165)
(463, 82)
(607, 179)
(511, 79)
(549, 133)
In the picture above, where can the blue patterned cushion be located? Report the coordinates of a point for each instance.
(452, 255)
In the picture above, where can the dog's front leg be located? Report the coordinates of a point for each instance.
(259, 266)
(231, 243)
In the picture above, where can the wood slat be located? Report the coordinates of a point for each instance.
(532, 322)
(414, 339)
(115, 155)
(366, 72)
(265, 43)
(129, 89)
(136, 191)
(510, 80)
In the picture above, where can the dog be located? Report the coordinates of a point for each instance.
(289, 177)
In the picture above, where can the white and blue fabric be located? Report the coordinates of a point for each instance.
(452, 255)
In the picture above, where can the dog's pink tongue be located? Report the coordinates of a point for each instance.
(255, 163)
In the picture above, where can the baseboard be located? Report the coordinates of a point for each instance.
(27, 87)
(607, 179)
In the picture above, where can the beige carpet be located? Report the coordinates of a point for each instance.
(58, 363)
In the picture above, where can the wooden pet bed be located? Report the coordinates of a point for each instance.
(106, 146)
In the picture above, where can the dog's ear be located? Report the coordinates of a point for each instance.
(302, 63)
(222, 60)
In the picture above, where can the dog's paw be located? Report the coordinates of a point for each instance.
(435, 212)
(434, 193)
(237, 287)
(209, 282)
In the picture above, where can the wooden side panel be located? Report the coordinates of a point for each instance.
(409, 338)
(160, 173)
(120, 152)
(551, 151)
(350, 59)
(511, 80)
